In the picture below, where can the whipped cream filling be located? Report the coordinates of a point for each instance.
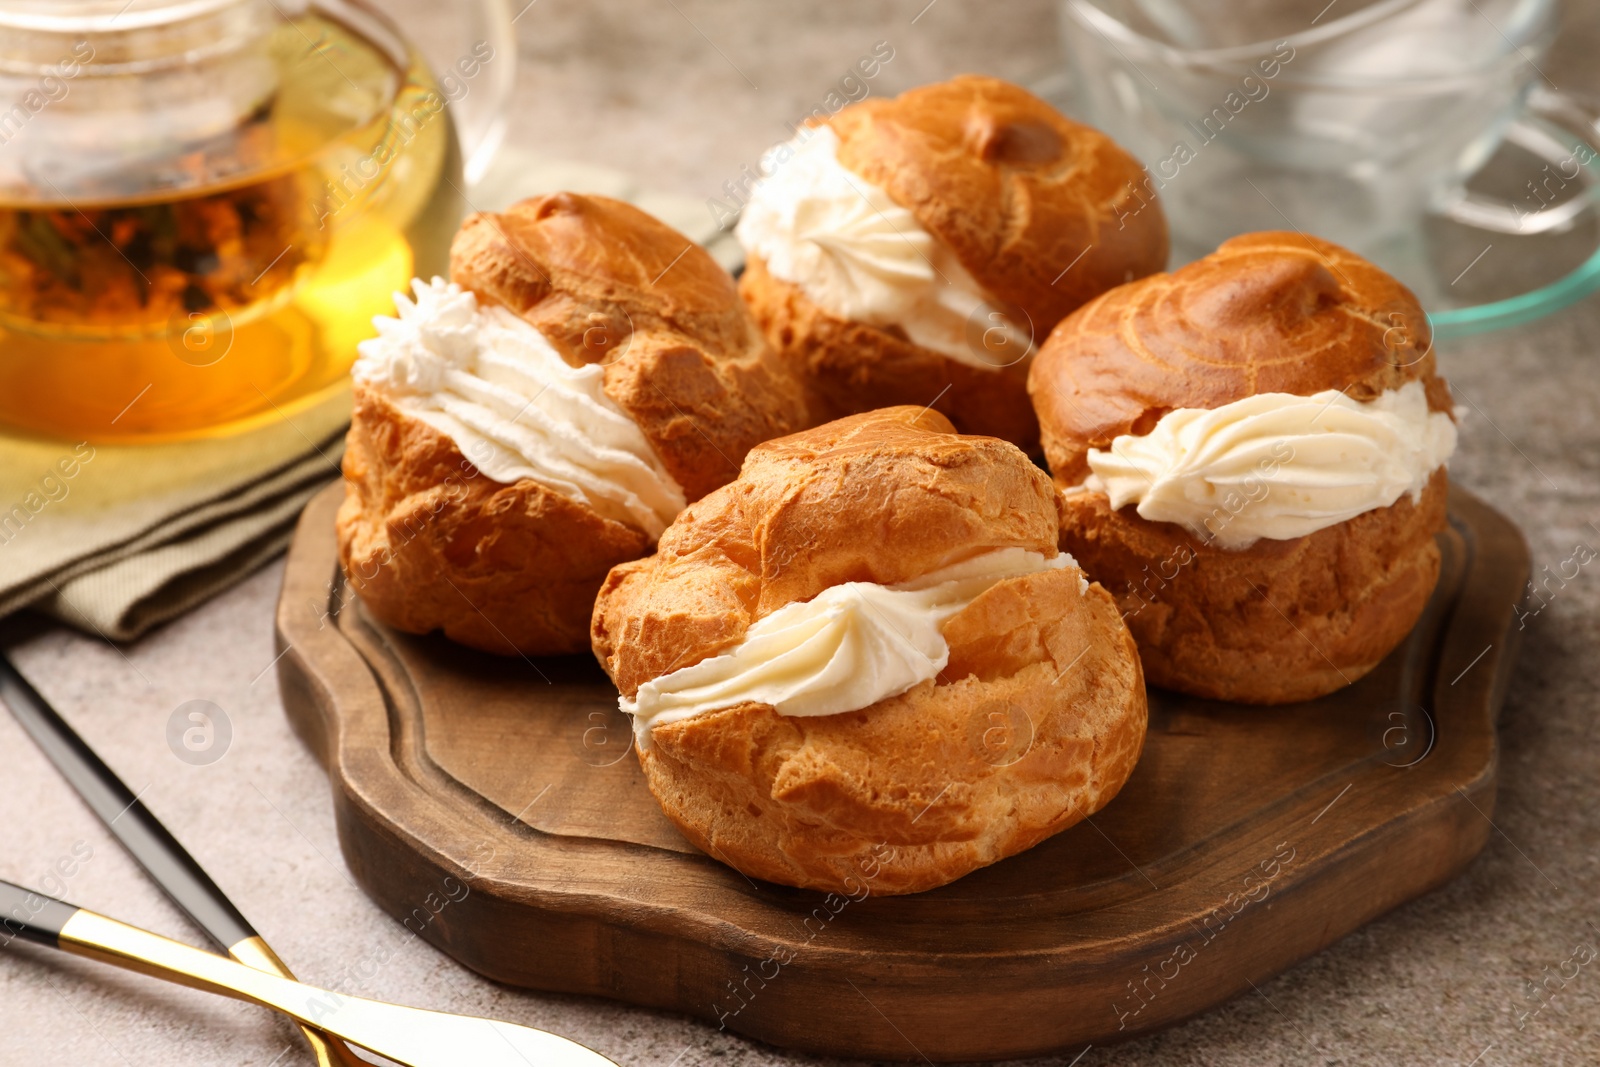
(858, 255)
(490, 382)
(848, 647)
(1276, 465)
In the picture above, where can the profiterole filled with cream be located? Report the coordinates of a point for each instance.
(845, 649)
(544, 415)
(913, 250)
(814, 654)
(494, 386)
(1330, 458)
(1251, 452)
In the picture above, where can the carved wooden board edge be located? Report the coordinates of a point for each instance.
(682, 932)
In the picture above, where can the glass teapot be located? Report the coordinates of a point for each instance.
(203, 203)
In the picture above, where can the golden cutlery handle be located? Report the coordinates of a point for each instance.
(259, 976)
(97, 937)
(408, 1036)
(143, 835)
(330, 1052)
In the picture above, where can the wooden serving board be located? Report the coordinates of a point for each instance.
(494, 805)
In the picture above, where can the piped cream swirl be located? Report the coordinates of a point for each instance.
(860, 256)
(490, 382)
(847, 648)
(1276, 465)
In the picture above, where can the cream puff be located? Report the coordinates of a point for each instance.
(1251, 454)
(523, 428)
(912, 250)
(865, 662)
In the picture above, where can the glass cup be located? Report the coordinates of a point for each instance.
(1365, 124)
(203, 203)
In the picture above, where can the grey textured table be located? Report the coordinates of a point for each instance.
(637, 85)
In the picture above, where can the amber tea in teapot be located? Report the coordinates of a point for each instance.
(203, 205)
